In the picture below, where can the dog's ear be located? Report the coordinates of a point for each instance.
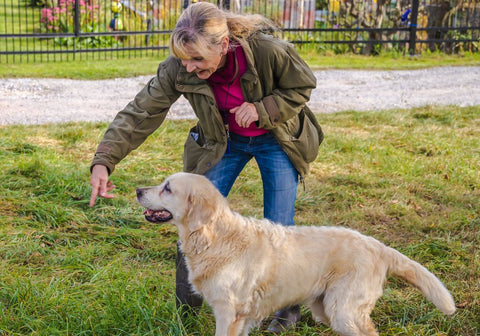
(200, 210)
(200, 213)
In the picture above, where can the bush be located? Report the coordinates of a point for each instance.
(61, 19)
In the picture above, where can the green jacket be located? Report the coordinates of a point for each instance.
(277, 81)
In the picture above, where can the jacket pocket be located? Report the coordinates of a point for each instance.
(307, 138)
(200, 155)
(193, 149)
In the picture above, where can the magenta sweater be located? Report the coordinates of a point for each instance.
(226, 87)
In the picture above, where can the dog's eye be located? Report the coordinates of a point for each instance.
(166, 188)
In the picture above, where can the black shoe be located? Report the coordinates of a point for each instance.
(284, 319)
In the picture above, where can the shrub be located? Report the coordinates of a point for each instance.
(61, 19)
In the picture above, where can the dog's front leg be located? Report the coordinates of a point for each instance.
(228, 323)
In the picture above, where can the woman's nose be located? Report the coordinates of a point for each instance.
(189, 66)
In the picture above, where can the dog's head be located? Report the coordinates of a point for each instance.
(187, 200)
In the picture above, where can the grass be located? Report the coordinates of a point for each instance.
(96, 66)
(92, 69)
(407, 177)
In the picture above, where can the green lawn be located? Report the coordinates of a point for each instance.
(97, 67)
(407, 177)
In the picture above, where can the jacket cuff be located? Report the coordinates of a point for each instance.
(268, 113)
(272, 110)
(99, 160)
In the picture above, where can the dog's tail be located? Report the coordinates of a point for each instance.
(420, 277)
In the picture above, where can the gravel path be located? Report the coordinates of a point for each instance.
(40, 101)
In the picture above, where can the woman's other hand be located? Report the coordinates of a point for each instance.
(245, 114)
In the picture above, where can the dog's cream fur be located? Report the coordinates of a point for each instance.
(247, 268)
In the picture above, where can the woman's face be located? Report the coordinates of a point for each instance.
(204, 66)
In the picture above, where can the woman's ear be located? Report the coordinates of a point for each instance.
(225, 44)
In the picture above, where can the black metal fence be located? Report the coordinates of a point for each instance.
(54, 30)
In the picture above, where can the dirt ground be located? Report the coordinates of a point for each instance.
(41, 101)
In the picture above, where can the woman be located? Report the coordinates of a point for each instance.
(248, 90)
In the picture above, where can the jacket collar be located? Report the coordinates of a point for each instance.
(251, 73)
(189, 82)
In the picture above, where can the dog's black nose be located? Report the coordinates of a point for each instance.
(139, 192)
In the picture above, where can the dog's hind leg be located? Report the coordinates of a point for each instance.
(248, 325)
(349, 310)
(365, 324)
(318, 311)
(352, 323)
(228, 323)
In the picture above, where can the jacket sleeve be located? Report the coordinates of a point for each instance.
(140, 118)
(287, 82)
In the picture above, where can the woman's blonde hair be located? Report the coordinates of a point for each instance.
(203, 26)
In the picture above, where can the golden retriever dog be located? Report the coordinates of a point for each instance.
(246, 268)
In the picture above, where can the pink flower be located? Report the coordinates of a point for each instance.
(46, 12)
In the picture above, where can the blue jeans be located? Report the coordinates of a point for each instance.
(279, 176)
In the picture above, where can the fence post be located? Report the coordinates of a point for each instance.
(77, 18)
(413, 26)
(224, 4)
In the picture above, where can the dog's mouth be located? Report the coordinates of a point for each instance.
(156, 216)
